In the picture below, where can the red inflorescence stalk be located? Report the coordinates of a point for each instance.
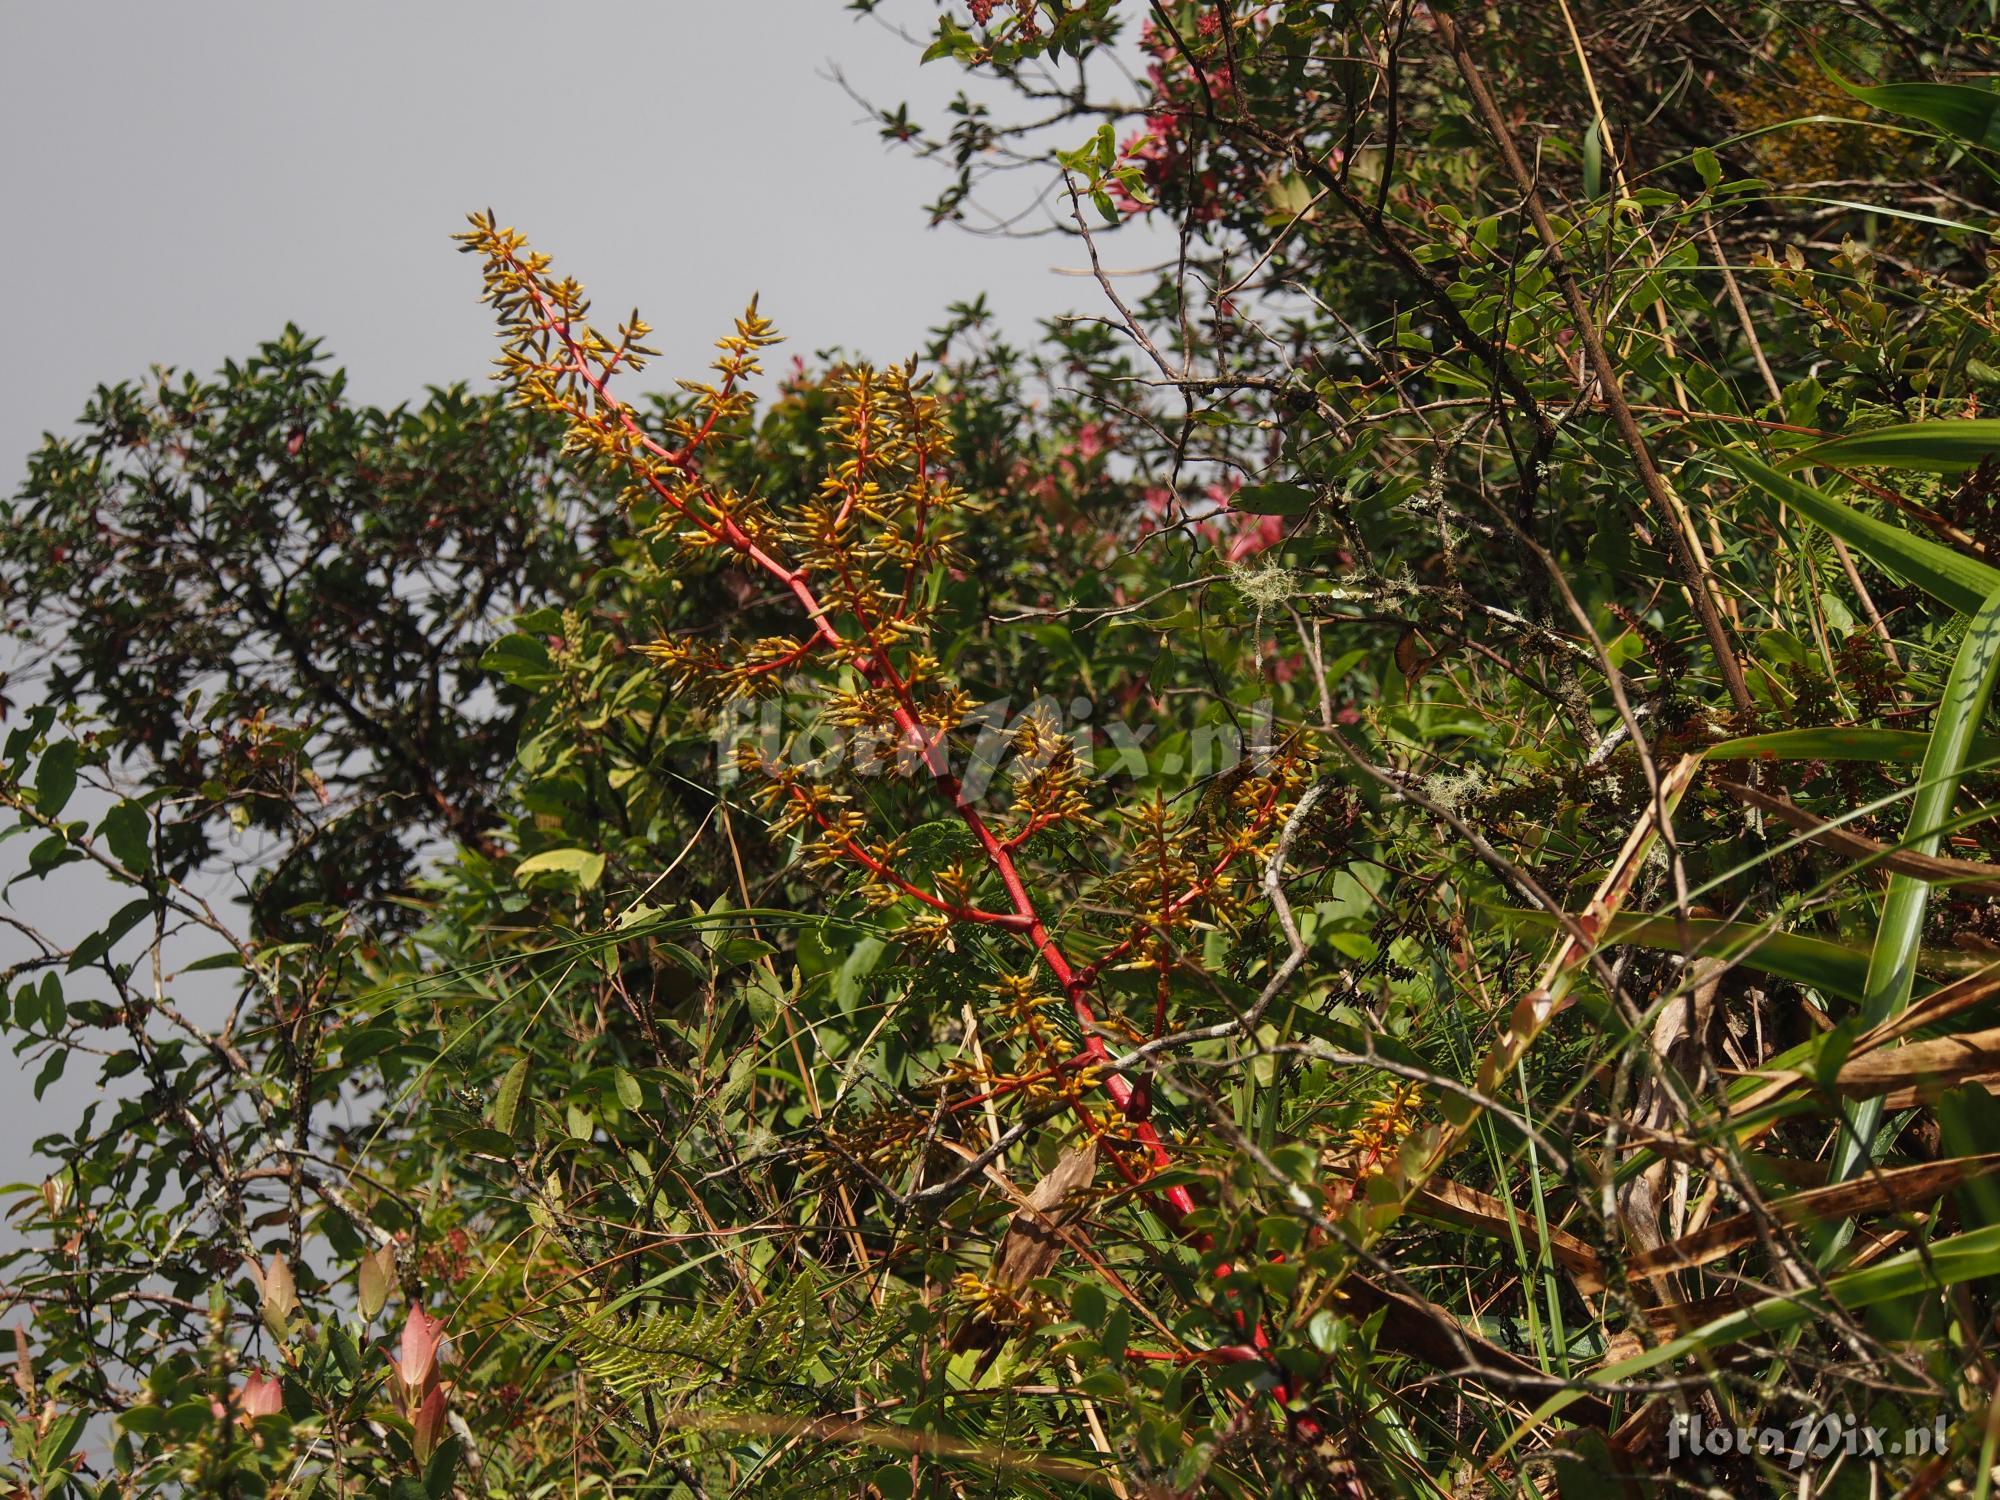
(872, 662)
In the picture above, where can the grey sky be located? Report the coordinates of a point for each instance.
(184, 178)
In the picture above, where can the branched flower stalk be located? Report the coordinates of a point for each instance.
(859, 559)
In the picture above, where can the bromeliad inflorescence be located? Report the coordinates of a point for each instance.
(860, 558)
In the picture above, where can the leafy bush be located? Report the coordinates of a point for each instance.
(1367, 874)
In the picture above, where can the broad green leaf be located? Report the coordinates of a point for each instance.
(1934, 447)
(1959, 581)
(584, 866)
(629, 1093)
(59, 1442)
(52, 1069)
(522, 659)
(128, 834)
(1972, 114)
(55, 778)
(765, 996)
(507, 1102)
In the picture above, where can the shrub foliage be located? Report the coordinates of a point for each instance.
(1365, 872)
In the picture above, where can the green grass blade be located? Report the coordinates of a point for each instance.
(1896, 746)
(1933, 447)
(1901, 747)
(1836, 968)
(1965, 1257)
(1957, 580)
(1892, 963)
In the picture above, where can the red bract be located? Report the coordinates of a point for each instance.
(428, 1422)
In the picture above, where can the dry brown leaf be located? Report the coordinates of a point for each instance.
(1968, 876)
(1034, 1236)
(1427, 1332)
(1930, 1067)
(1905, 1185)
(1468, 1208)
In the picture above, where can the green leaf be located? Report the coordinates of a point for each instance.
(1593, 162)
(584, 866)
(1972, 114)
(740, 950)
(1959, 581)
(52, 1069)
(55, 778)
(1833, 967)
(213, 961)
(1272, 500)
(523, 660)
(1933, 447)
(128, 834)
(59, 1442)
(1896, 746)
(439, 1471)
(479, 1141)
(629, 1093)
(765, 995)
(507, 1102)
(1899, 933)
(1965, 1257)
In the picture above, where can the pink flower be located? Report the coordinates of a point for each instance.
(1159, 503)
(1248, 535)
(417, 1361)
(1253, 534)
(261, 1395)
